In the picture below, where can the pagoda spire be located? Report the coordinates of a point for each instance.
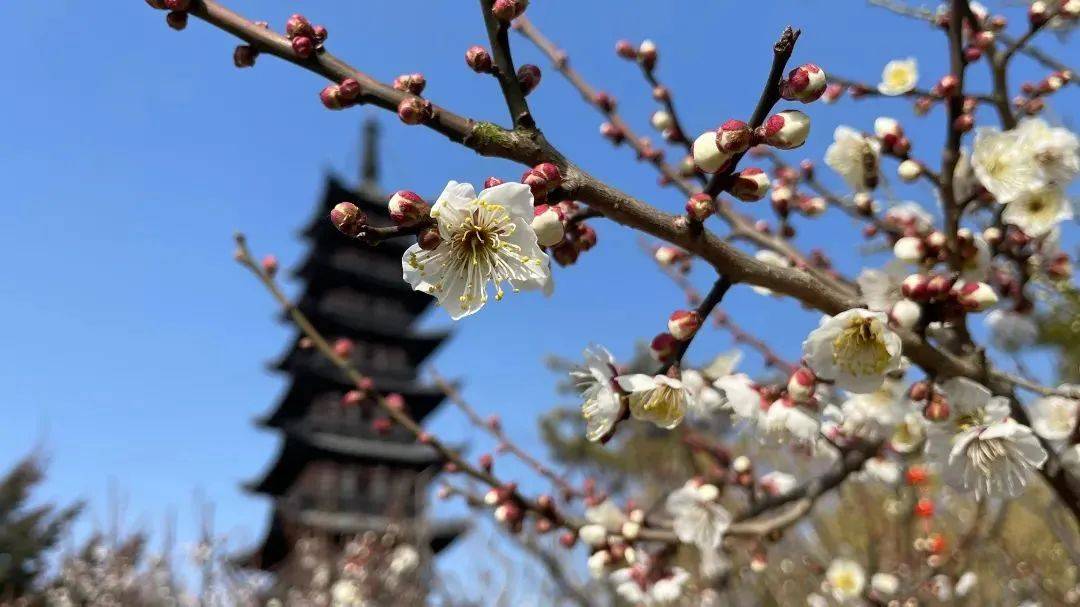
(369, 155)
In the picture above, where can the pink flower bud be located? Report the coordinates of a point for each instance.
(414, 110)
(939, 285)
(832, 93)
(646, 55)
(914, 287)
(177, 20)
(303, 46)
(410, 83)
(348, 218)
(683, 324)
(813, 206)
(586, 237)
(787, 130)
(801, 385)
(343, 347)
(244, 55)
(976, 296)
(700, 206)
(663, 346)
(805, 83)
(269, 265)
(407, 207)
(612, 132)
(937, 410)
(156, 4)
(177, 5)
(529, 77)
(750, 185)
(947, 86)
(906, 313)
(707, 156)
(734, 137)
(298, 25)
(537, 182)
(352, 398)
(478, 59)
(624, 49)
(320, 34)
(964, 123)
(331, 97)
(508, 10)
(487, 462)
(551, 174)
(548, 224)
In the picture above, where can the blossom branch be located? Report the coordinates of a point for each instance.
(949, 158)
(497, 30)
(704, 310)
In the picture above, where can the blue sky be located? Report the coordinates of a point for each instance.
(136, 349)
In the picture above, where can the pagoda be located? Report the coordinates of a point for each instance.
(341, 471)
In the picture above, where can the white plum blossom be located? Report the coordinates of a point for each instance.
(882, 470)
(705, 400)
(1004, 165)
(740, 395)
(777, 483)
(787, 421)
(1037, 212)
(880, 288)
(855, 349)
(1055, 150)
(639, 586)
(873, 415)
(884, 584)
(658, 399)
(909, 434)
(485, 239)
(697, 518)
(899, 76)
(1054, 417)
(980, 448)
(846, 580)
(595, 380)
(854, 157)
(1010, 330)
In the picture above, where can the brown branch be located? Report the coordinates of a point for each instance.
(512, 91)
(704, 310)
(951, 155)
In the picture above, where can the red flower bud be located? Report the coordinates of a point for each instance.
(478, 59)
(410, 83)
(624, 49)
(348, 218)
(407, 207)
(700, 206)
(734, 137)
(663, 346)
(683, 324)
(298, 25)
(343, 347)
(244, 55)
(303, 46)
(529, 77)
(414, 110)
(177, 20)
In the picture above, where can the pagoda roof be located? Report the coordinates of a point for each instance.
(281, 533)
(302, 446)
(420, 399)
(338, 304)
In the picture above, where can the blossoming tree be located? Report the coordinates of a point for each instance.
(892, 379)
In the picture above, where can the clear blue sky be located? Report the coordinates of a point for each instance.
(135, 348)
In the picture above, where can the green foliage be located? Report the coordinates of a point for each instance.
(27, 533)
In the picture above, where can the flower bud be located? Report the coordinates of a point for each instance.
(734, 137)
(625, 49)
(352, 398)
(750, 185)
(914, 287)
(700, 206)
(348, 218)
(683, 324)
(707, 156)
(787, 130)
(937, 410)
(429, 239)
(939, 285)
(1038, 13)
(320, 34)
(631, 530)
(528, 76)
(924, 508)
(707, 492)
(343, 347)
(298, 25)
(177, 20)
(586, 237)
(813, 206)
(976, 296)
(668, 256)
(414, 110)
(801, 385)
(565, 253)
(548, 224)
(888, 130)
(244, 55)
(269, 265)
(964, 122)
(410, 83)
(508, 10)
(593, 535)
(303, 46)
(478, 59)
(832, 93)
(331, 97)
(662, 120)
(906, 313)
(805, 83)
(663, 346)
(156, 4)
(947, 86)
(407, 207)
(537, 182)
(909, 249)
(909, 170)
(646, 54)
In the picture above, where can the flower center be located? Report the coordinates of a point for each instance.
(845, 582)
(984, 454)
(859, 349)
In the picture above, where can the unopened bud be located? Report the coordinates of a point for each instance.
(700, 206)
(976, 296)
(177, 20)
(707, 156)
(303, 46)
(914, 287)
(647, 55)
(593, 535)
(812, 206)
(343, 347)
(414, 110)
(937, 410)
(269, 265)
(298, 25)
(478, 59)
(528, 76)
(663, 346)
(410, 83)
(244, 55)
(787, 130)
(683, 324)
(964, 122)
(548, 224)
(909, 170)
(832, 93)
(801, 385)
(407, 207)
(906, 313)
(508, 10)
(734, 136)
(909, 249)
(750, 185)
(805, 83)
(348, 218)
(331, 97)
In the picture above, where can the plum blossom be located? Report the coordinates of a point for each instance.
(880, 288)
(698, 518)
(1004, 165)
(705, 400)
(777, 483)
(855, 349)
(740, 395)
(640, 586)
(595, 380)
(658, 399)
(1054, 417)
(874, 415)
(484, 239)
(1037, 212)
(980, 447)
(899, 76)
(854, 157)
(1056, 150)
(786, 421)
(846, 580)
(909, 434)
